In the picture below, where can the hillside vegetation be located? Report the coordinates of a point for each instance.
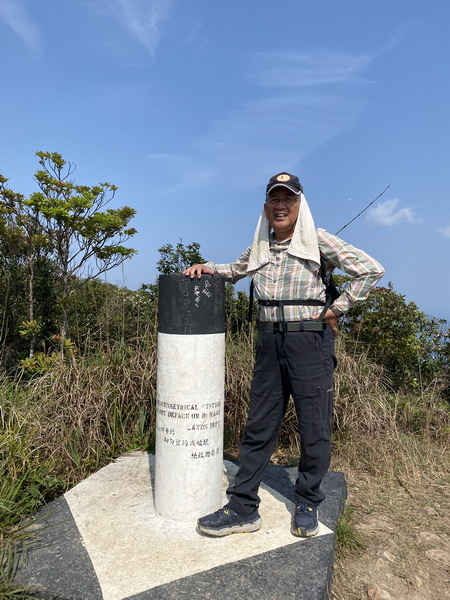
(78, 388)
(79, 412)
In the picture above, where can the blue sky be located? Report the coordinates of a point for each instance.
(189, 107)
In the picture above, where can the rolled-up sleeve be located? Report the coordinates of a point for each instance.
(365, 270)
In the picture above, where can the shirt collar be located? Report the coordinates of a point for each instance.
(273, 240)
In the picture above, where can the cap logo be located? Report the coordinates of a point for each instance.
(283, 177)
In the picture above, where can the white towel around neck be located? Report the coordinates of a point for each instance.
(303, 244)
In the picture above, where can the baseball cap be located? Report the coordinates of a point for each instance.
(291, 182)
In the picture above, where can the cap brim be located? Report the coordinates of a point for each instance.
(296, 192)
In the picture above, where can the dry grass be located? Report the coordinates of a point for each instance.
(84, 412)
(238, 367)
(393, 449)
(366, 412)
(394, 452)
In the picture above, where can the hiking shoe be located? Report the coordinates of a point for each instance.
(226, 521)
(305, 521)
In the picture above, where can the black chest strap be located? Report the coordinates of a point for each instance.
(283, 303)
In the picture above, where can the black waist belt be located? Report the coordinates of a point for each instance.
(291, 303)
(284, 327)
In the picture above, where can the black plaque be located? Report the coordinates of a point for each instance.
(191, 306)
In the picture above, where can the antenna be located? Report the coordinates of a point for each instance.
(368, 206)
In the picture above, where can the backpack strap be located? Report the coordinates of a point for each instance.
(250, 301)
(331, 291)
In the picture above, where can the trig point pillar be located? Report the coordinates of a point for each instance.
(190, 396)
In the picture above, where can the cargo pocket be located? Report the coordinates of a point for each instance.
(325, 404)
(314, 402)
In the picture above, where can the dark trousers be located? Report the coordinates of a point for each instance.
(300, 364)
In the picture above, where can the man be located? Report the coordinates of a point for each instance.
(295, 351)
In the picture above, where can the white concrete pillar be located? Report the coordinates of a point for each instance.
(190, 396)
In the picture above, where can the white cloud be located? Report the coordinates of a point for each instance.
(275, 132)
(291, 110)
(14, 13)
(387, 214)
(445, 231)
(291, 118)
(142, 18)
(278, 69)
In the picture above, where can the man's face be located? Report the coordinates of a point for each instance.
(281, 210)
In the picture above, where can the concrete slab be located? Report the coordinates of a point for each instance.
(105, 542)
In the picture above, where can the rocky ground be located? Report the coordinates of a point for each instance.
(405, 542)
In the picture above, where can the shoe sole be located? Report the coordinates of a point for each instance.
(304, 534)
(238, 528)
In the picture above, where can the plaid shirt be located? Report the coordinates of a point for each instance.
(287, 277)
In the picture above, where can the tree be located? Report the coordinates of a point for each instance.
(176, 259)
(102, 314)
(23, 247)
(82, 238)
(398, 336)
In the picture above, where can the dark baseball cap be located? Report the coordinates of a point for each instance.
(291, 182)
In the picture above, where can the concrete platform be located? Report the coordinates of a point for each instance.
(103, 541)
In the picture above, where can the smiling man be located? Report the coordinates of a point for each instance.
(295, 350)
(281, 210)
